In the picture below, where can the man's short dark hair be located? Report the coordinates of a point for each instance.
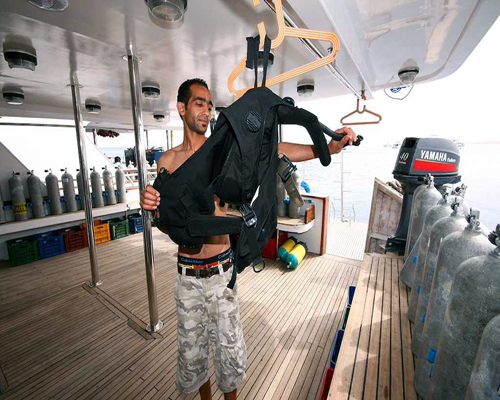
(118, 159)
(184, 93)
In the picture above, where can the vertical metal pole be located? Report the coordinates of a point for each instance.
(87, 202)
(168, 140)
(342, 186)
(94, 132)
(140, 156)
(147, 138)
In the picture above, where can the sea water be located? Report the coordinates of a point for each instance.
(479, 168)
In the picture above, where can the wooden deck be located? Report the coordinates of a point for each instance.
(375, 360)
(61, 339)
(347, 239)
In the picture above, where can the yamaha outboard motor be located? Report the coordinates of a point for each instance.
(418, 157)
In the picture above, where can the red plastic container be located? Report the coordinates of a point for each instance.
(327, 381)
(75, 238)
(269, 250)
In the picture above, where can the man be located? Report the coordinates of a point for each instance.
(206, 308)
(118, 162)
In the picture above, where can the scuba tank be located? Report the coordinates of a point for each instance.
(79, 182)
(293, 210)
(474, 301)
(286, 248)
(69, 191)
(2, 212)
(35, 191)
(440, 230)
(296, 255)
(455, 249)
(425, 197)
(120, 185)
(441, 210)
(95, 180)
(17, 197)
(109, 187)
(280, 197)
(52, 184)
(483, 382)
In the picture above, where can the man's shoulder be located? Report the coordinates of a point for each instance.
(169, 159)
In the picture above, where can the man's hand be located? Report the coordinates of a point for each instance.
(349, 136)
(150, 198)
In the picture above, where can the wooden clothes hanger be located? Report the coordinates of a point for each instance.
(285, 31)
(357, 111)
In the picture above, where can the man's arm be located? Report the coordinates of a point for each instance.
(303, 152)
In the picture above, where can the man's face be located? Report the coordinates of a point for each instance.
(198, 111)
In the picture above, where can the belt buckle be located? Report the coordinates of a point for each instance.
(248, 215)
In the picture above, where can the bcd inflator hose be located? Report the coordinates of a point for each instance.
(338, 136)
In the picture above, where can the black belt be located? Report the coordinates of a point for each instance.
(205, 272)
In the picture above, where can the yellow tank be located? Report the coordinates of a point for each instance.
(286, 248)
(296, 255)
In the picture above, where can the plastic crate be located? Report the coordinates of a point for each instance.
(75, 238)
(101, 231)
(350, 297)
(337, 341)
(135, 223)
(325, 385)
(50, 244)
(269, 250)
(119, 228)
(22, 250)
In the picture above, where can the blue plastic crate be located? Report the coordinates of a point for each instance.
(135, 223)
(50, 244)
(350, 295)
(337, 341)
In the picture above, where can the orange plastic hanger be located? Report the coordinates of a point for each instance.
(285, 31)
(358, 111)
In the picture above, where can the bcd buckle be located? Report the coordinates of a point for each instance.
(248, 215)
(289, 169)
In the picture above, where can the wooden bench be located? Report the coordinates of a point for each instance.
(375, 359)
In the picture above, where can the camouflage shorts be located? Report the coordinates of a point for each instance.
(208, 311)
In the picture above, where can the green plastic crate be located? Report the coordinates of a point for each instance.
(119, 228)
(23, 250)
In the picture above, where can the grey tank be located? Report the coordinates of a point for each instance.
(455, 249)
(120, 185)
(280, 197)
(474, 301)
(79, 182)
(36, 197)
(17, 197)
(484, 380)
(109, 187)
(95, 180)
(425, 199)
(293, 210)
(52, 184)
(437, 212)
(69, 191)
(440, 230)
(2, 212)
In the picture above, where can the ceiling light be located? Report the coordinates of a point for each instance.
(408, 75)
(161, 116)
(93, 107)
(167, 10)
(20, 59)
(151, 92)
(14, 98)
(50, 5)
(305, 89)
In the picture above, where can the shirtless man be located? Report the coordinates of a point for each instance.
(206, 309)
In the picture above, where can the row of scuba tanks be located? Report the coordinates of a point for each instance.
(452, 265)
(54, 199)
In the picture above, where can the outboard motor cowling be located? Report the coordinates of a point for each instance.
(418, 157)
